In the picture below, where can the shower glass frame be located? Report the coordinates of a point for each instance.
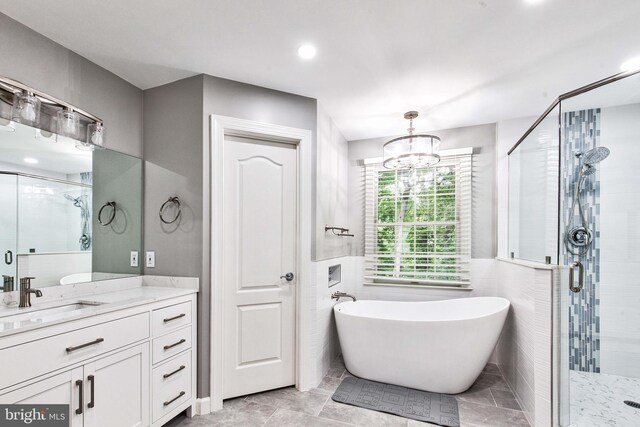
(561, 385)
(554, 259)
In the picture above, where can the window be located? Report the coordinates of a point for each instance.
(418, 223)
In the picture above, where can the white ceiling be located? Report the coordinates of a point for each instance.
(459, 62)
(55, 159)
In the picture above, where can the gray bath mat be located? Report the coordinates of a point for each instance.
(406, 402)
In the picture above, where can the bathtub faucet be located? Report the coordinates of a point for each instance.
(337, 295)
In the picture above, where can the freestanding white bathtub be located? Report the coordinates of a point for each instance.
(437, 346)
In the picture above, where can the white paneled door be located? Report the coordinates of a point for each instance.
(259, 267)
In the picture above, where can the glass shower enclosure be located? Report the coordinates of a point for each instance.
(574, 201)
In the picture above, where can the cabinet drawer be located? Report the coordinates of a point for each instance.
(45, 355)
(170, 380)
(170, 318)
(171, 344)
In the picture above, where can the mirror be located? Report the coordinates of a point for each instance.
(51, 192)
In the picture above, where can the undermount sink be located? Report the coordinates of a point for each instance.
(39, 315)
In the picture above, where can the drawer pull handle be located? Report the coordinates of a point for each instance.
(169, 402)
(92, 382)
(81, 394)
(169, 319)
(165, 376)
(182, 341)
(78, 347)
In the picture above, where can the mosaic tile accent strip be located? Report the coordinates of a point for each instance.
(580, 133)
(436, 408)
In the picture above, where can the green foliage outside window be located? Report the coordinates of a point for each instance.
(416, 224)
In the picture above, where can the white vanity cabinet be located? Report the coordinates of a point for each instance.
(132, 367)
(58, 389)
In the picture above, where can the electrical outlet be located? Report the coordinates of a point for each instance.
(151, 259)
(134, 258)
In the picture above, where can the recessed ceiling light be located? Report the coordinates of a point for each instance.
(632, 64)
(533, 1)
(306, 51)
(31, 160)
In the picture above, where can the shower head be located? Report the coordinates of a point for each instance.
(595, 155)
(77, 201)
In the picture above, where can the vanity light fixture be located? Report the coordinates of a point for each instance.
(26, 108)
(412, 150)
(96, 134)
(68, 123)
(26, 103)
(31, 160)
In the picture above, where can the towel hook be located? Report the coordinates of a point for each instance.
(170, 201)
(113, 213)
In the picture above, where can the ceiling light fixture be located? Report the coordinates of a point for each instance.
(306, 51)
(26, 108)
(31, 160)
(412, 150)
(632, 64)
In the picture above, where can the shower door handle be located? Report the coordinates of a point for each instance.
(572, 268)
(8, 257)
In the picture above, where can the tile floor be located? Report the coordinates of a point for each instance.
(488, 403)
(597, 400)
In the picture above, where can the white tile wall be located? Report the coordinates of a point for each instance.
(325, 342)
(48, 269)
(524, 349)
(508, 133)
(619, 234)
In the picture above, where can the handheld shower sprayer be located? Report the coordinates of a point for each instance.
(578, 238)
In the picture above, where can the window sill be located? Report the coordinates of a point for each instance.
(431, 287)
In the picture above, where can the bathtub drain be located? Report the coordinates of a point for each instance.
(632, 404)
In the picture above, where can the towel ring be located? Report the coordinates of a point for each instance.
(170, 201)
(113, 213)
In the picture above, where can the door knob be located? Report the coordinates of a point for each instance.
(288, 277)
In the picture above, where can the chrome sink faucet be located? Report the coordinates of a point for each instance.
(26, 291)
(337, 295)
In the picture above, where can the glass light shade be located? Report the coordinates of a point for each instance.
(26, 108)
(411, 151)
(7, 125)
(96, 135)
(69, 123)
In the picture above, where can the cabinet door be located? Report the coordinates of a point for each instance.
(117, 389)
(60, 389)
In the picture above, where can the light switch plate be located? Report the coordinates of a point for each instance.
(134, 258)
(151, 259)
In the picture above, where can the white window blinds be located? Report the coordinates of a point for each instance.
(418, 223)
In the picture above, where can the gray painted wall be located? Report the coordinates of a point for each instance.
(483, 225)
(116, 177)
(40, 63)
(176, 146)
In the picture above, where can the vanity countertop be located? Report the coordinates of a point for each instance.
(122, 294)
